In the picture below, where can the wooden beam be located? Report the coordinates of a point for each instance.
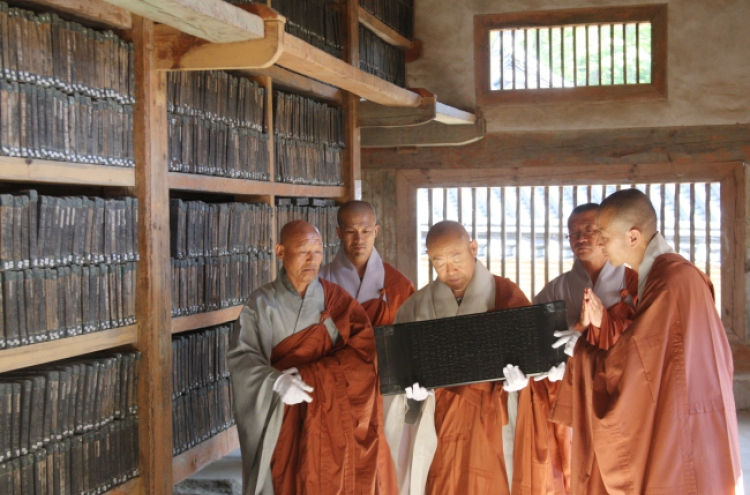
(179, 51)
(286, 79)
(153, 297)
(46, 352)
(598, 147)
(446, 114)
(430, 134)
(211, 20)
(97, 12)
(130, 487)
(222, 185)
(203, 454)
(315, 63)
(48, 171)
(375, 115)
(383, 31)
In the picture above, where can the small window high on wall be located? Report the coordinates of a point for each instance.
(568, 55)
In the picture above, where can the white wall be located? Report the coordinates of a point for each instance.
(708, 66)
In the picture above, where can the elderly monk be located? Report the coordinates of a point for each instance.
(655, 412)
(455, 445)
(304, 379)
(616, 288)
(358, 267)
(377, 286)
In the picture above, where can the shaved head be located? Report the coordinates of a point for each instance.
(446, 230)
(584, 208)
(627, 224)
(630, 209)
(354, 208)
(296, 228)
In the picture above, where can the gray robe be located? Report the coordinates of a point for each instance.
(341, 271)
(271, 314)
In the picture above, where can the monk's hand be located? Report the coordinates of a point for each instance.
(515, 379)
(583, 317)
(291, 389)
(555, 373)
(418, 393)
(567, 338)
(594, 308)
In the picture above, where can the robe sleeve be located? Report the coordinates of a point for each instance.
(258, 410)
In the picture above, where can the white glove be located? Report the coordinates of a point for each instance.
(415, 392)
(555, 373)
(515, 380)
(568, 338)
(291, 388)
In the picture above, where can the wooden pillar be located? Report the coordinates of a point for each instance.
(153, 298)
(352, 158)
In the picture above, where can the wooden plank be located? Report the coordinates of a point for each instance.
(384, 32)
(374, 115)
(180, 51)
(733, 214)
(285, 79)
(559, 149)
(315, 63)
(153, 297)
(203, 320)
(47, 352)
(223, 185)
(430, 134)
(130, 487)
(352, 172)
(203, 454)
(52, 172)
(446, 114)
(406, 228)
(212, 20)
(94, 12)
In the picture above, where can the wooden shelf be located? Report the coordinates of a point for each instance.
(47, 352)
(202, 320)
(383, 31)
(93, 12)
(286, 79)
(430, 110)
(222, 185)
(130, 487)
(52, 172)
(200, 456)
(430, 134)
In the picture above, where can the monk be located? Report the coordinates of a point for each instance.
(304, 379)
(655, 412)
(454, 444)
(616, 288)
(358, 267)
(377, 286)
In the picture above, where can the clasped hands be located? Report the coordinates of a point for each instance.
(592, 310)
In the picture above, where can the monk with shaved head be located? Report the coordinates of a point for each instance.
(376, 285)
(305, 381)
(451, 442)
(655, 412)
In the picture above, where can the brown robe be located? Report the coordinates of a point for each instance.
(469, 423)
(330, 446)
(396, 289)
(655, 413)
(617, 317)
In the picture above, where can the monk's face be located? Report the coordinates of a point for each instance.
(454, 259)
(357, 233)
(614, 239)
(302, 254)
(584, 237)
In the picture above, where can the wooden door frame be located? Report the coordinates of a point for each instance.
(734, 210)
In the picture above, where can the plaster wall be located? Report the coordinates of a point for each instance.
(708, 67)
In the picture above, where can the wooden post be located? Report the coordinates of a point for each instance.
(352, 156)
(153, 299)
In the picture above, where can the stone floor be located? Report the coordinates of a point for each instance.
(230, 467)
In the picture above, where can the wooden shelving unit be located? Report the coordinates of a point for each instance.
(47, 171)
(202, 320)
(130, 487)
(55, 350)
(204, 454)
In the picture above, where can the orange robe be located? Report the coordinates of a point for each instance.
(330, 446)
(617, 317)
(396, 289)
(655, 413)
(469, 423)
